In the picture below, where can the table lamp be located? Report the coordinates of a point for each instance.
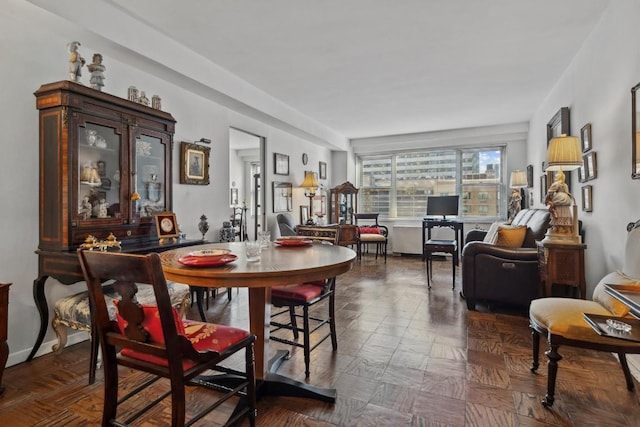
(310, 185)
(517, 181)
(563, 154)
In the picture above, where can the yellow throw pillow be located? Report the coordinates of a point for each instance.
(511, 236)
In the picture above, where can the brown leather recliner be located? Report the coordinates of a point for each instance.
(497, 274)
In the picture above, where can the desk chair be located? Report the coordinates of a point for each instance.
(305, 296)
(155, 339)
(370, 232)
(562, 320)
(432, 246)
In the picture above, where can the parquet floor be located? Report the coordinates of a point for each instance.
(406, 356)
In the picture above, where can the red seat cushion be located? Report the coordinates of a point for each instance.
(151, 322)
(302, 292)
(369, 230)
(203, 336)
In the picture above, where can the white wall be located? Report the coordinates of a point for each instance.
(33, 48)
(596, 87)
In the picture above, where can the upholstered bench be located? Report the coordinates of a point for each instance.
(73, 312)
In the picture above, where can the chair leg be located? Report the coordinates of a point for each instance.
(625, 369)
(93, 359)
(552, 366)
(251, 387)
(294, 324)
(307, 344)
(428, 263)
(453, 267)
(178, 405)
(332, 320)
(535, 345)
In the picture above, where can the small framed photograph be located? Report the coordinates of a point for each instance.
(587, 205)
(530, 176)
(590, 166)
(280, 164)
(543, 187)
(585, 137)
(582, 172)
(166, 225)
(194, 164)
(234, 197)
(304, 214)
(323, 170)
(282, 193)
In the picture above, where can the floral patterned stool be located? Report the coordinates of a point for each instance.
(73, 312)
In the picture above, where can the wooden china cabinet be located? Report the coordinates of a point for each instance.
(344, 203)
(105, 167)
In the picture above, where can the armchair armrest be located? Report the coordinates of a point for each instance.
(474, 248)
(474, 235)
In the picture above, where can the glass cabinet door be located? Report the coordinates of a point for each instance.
(99, 166)
(150, 179)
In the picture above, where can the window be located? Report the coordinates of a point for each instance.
(397, 185)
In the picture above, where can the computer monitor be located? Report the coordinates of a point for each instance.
(442, 205)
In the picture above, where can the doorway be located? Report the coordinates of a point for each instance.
(246, 157)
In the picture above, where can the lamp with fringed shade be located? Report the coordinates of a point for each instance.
(310, 185)
(563, 154)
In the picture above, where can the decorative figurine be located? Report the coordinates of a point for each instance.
(560, 200)
(102, 209)
(156, 102)
(203, 225)
(97, 72)
(133, 94)
(75, 61)
(227, 233)
(86, 207)
(143, 99)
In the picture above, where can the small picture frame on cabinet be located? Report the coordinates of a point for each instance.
(166, 225)
(304, 214)
(194, 164)
(587, 198)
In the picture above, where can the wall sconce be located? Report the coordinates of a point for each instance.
(310, 185)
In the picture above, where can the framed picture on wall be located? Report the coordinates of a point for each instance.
(323, 170)
(557, 126)
(194, 164)
(587, 205)
(585, 137)
(304, 214)
(280, 164)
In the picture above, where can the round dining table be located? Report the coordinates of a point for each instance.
(278, 265)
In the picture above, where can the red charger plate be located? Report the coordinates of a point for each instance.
(293, 242)
(203, 261)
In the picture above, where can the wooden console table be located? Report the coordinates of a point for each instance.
(65, 268)
(561, 264)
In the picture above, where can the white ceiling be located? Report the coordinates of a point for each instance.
(380, 67)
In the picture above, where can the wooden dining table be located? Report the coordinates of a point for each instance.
(278, 265)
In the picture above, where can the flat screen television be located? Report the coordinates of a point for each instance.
(442, 205)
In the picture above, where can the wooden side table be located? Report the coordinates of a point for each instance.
(561, 264)
(4, 320)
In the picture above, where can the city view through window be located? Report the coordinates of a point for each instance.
(397, 185)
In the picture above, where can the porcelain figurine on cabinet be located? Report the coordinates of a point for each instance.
(97, 72)
(75, 61)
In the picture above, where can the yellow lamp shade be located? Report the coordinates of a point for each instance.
(310, 180)
(564, 153)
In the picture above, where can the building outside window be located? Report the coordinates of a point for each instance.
(397, 185)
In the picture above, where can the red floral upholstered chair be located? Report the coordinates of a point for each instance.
(155, 339)
(370, 232)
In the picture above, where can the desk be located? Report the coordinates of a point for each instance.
(65, 268)
(277, 266)
(456, 226)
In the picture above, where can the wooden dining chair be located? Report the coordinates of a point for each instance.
(302, 297)
(371, 233)
(156, 340)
